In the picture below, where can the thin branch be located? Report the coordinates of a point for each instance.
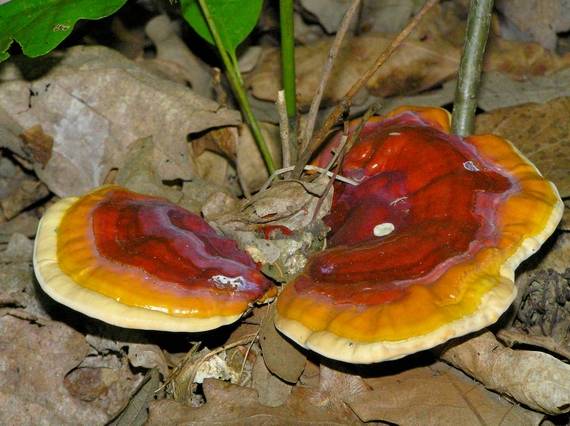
(345, 103)
(465, 102)
(307, 167)
(326, 73)
(347, 140)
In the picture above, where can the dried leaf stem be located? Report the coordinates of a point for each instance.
(326, 73)
(465, 102)
(345, 103)
(284, 128)
(346, 142)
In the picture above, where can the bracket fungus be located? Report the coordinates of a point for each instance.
(425, 247)
(142, 262)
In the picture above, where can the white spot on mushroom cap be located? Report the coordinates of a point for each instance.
(221, 281)
(470, 165)
(383, 229)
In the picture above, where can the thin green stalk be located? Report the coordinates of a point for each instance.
(235, 64)
(288, 55)
(465, 103)
(288, 73)
(234, 78)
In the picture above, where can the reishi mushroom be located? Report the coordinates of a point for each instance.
(425, 247)
(421, 251)
(142, 262)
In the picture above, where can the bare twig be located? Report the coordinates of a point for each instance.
(327, 70)
(345, 144)
(340, 156)
(345, 103)
(307, 167)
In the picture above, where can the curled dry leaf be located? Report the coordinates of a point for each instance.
(535, 379)
(94, 104)
(436, 395)
(540, 131)
(416, 66)
(223, 140)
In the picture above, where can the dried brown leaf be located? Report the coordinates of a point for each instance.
(540, 131)
(521, 60)
(35, 359)
(37, 144)
(537, 20)
(416, 66)
(222, 141)
(95, 103)
(232, 404)
(139, 173)
(172, 52)
(436, 395)
(535, 379)
(272, 391)
(17, 277)
(336, 389)
(500, 91)
(281, 356)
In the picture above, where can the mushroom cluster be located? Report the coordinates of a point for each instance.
(422, 250)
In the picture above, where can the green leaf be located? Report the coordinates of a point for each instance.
(40, 25)
(234, 19)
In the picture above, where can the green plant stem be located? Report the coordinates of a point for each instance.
(465, 102)
(234, 77)
(288, 55)
(288, 72)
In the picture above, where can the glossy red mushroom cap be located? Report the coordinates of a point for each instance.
(142, 262)
(425, 248)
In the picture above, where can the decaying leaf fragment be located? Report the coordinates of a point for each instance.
(535, 379)
(436, 395)
(276, 226)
